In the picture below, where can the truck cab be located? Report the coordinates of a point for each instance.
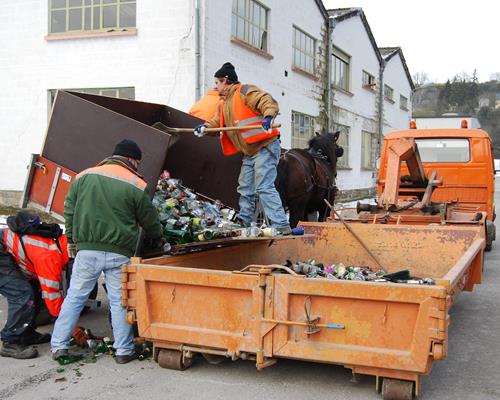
(463, 161)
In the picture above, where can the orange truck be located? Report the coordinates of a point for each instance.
(435, 176)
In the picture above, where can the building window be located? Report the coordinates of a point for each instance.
(250, 23)
(120, 93)
(368, 150)
(343, 141)
(304, 51)
(340, 65)
(302, 130)
(91, 15)
(388, 93)
(403, 103)
(368, 81)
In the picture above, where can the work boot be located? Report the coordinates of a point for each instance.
(35, 337)
(59, 354)
(17, 350)
(126, 359)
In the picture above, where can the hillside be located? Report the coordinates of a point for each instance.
(464, 96)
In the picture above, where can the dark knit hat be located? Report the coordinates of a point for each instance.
(227, 71)
(128, 148)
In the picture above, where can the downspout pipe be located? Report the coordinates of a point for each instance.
(380, 107)
(197, 51)
(329, 96)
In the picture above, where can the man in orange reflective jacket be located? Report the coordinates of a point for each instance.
(22, 258)
(247, 105)
(205, 107)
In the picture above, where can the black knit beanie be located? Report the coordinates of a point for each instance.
(227, 71)
(128, 148)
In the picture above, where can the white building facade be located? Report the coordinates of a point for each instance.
(155, 51)
(398, 90)
(355, 79)
(371, 97)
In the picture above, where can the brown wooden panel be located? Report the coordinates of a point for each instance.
(84, 129)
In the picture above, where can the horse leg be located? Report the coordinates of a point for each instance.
(297, 212)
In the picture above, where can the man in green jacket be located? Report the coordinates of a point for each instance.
(103, 209)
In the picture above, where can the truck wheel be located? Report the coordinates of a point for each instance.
(173, 359)
(490, 235)
(395, 389)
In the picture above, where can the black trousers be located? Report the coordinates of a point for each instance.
(16, 288)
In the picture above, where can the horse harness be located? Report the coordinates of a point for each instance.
(321, 161)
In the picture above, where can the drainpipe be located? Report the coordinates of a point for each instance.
(329, 96)
(197, 49)
(380, 107)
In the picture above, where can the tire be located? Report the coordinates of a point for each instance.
(490, 235)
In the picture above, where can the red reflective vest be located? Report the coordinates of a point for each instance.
(41, 258)
(243, 116)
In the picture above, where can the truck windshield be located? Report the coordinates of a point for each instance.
(443, 150)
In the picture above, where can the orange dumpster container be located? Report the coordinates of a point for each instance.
(238, 302)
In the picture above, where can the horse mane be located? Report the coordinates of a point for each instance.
(324, 144)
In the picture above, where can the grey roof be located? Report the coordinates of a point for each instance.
(322, 9)
(389, 52)
(341, 14)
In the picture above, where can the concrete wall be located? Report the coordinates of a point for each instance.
(158, 61)
(396, 118)
(293, 90)
(358, 107)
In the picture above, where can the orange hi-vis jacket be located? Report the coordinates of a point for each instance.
(41, 258)
(244, 116)
(206, 107)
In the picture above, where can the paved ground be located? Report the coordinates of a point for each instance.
(468, 373)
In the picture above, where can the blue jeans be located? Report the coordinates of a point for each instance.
(257, 175)
(86, 270)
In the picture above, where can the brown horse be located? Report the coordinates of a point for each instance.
(307, 176)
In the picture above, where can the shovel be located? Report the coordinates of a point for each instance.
(175, 131)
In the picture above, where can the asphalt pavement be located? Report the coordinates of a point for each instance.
(471, 370)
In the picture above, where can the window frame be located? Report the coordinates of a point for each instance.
(371, 138)
(303, 52)
(342, 58)
(403, 105)
(343, 163)
(51, 93)
(370, 83)
(249, 23)
(391, 91)
(298, 142)
(91, 6)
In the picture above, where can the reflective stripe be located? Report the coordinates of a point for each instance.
(21, 256)
(138, 185)
(251, 120)
(49, 283)
(39, 243)
(252, 132)
(10, 239)
(51, 296)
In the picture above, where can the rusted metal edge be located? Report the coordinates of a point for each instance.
(454, 275)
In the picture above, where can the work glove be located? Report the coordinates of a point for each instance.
(199, 130)
(266, 123)
(71, 247)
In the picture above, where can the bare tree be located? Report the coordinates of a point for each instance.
(420, 78)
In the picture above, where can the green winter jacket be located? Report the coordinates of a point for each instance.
(105, 206)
